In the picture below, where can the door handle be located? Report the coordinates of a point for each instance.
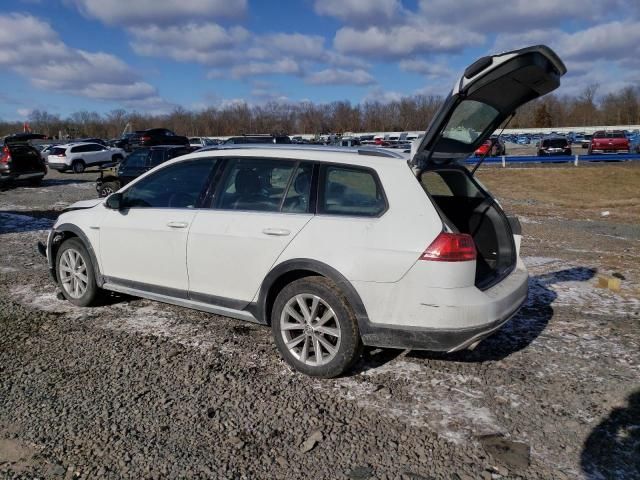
(276, 232)
(177, 224)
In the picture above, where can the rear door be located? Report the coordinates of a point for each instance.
(260, 206)
(490, 90)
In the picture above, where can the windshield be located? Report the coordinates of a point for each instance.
(469, 120)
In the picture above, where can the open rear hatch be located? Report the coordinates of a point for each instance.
(489, 92)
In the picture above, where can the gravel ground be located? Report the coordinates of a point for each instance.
(139, 389)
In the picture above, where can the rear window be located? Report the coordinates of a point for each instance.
(616, 135)
(469, 120)
(555, 143)
(57, 151)
(351, 191)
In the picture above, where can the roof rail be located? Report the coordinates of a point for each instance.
(374, 152)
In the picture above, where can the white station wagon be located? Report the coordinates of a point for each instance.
(333, 248)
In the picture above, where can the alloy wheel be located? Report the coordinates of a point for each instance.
(310, 329)
(73, 273)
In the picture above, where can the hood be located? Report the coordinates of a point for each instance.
(490, 90)
(83, 204)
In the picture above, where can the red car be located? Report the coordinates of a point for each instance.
(614, 141)
(498, 149)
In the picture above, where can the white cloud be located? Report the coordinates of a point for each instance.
(404, 40)
(159, 12)
(377, 94)
(285, 66)
(33, 49)
(424, 67)
(205, 43)
(334, 76)
(360, 12)
(24, 112)
(295, 44)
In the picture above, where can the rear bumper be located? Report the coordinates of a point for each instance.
(58, 166)
(453, 319)
(5, 177)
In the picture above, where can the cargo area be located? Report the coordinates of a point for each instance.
(465, 207)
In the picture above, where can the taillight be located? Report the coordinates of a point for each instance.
(451, 247)
(146, 138)
(6, 155)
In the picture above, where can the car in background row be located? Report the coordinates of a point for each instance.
(492, 148)
(256, 139)
(614, 141)
(21, 161)
(586, 141)
(201, 142)
(156, 136)
(116, 175)
(79, 156)
(555, 145)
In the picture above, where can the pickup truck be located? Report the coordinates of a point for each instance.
(614, 141)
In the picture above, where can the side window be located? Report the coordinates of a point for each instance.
(137, 159)
(176, 186)
(157, 157)
(298, 195)
(94, 147)
(351, 191)
(255, 185)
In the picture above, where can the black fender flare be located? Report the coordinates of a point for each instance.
(77, 231)
(307, 264)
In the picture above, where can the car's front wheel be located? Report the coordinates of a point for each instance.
(75, 273)
(108, 188)
(315, 328)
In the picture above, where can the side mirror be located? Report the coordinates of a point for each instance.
(115, 201)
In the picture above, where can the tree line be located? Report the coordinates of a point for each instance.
(406, 114)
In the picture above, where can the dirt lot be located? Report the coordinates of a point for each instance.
(140, 389)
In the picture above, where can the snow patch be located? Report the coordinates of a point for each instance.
(14, 223)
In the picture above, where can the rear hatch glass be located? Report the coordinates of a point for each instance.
(58, 151)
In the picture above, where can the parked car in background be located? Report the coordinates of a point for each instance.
(46, 149)
(614, 141)
(20, 161)
(554, 145)
(100, 141)
(586, 141)
(78, 156)
(114, 176)
(24, 137)
(257, 139)
(156, 136)
(491, 148)
(201, 142)
(124, 141)
(299, 238)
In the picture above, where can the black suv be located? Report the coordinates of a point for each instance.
(554, 146)
(21, 161)
(253, 139)
(116, 175)
(154, 137)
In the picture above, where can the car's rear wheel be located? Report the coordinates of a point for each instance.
(78, 166)
(75, 273)
(314, 328)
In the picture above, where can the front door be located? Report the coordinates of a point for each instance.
(143, 245)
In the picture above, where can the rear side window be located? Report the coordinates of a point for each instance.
(137, 159)
(351, 191)
(157, 157)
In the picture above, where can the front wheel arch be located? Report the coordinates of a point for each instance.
(64, 232)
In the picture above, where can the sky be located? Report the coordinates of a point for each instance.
(152, 56)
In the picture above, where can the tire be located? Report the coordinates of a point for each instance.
(72, 255)
(108, 188)
(78, 166)
(341, 328)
